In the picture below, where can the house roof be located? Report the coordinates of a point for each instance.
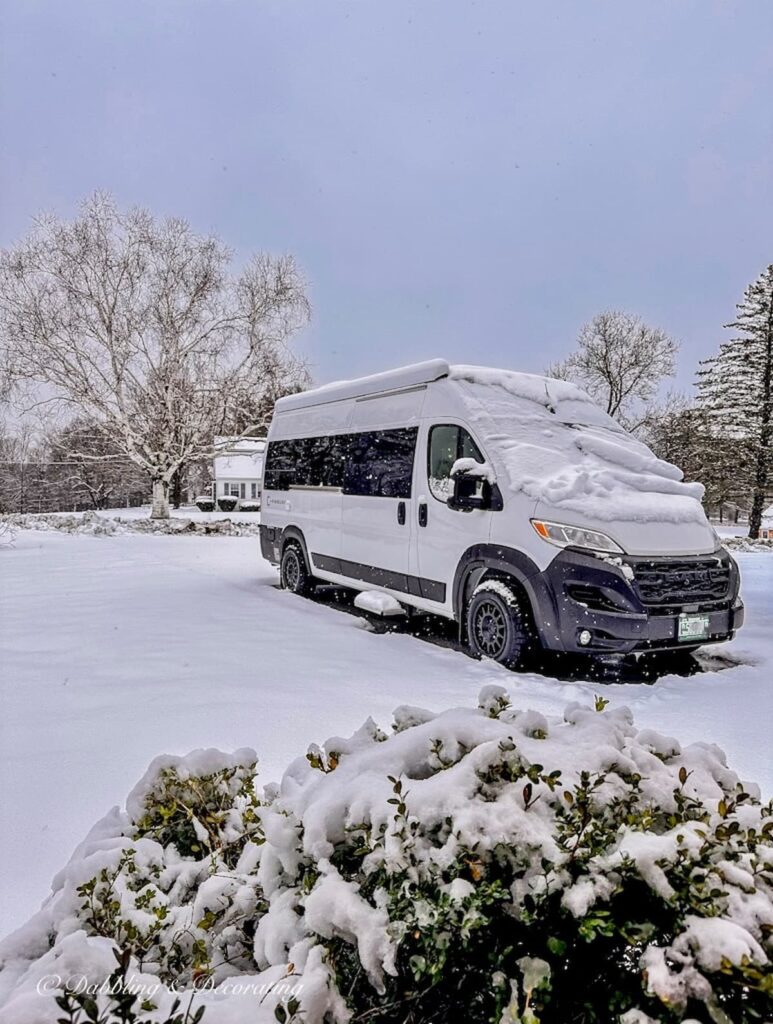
(242, 458)
(240, 445)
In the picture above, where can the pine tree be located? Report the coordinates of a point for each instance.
(736, 390)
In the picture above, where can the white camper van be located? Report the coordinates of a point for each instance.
(506, 501)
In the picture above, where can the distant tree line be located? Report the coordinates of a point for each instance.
(723, 436)
(71, 469)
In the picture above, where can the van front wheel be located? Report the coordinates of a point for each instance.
(498, 627)
(293, 573)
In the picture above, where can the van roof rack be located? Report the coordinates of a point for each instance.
(376, 383)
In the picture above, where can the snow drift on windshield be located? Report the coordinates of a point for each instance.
(555, 445)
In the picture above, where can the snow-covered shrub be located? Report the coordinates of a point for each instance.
(200, 805)
(180, 897)
(479, 866)
(227, 504)
(249, 506)
(204, 503)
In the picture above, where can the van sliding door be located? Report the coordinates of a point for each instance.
(377, 516)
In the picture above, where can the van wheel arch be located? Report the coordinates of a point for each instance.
(492, 561)
(294, 535)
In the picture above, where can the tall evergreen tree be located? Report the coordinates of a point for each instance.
(736, 390)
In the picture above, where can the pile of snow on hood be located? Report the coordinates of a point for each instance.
(552, 442)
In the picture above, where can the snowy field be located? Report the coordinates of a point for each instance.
(114, 649)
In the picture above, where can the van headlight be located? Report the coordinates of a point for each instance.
(575, 536)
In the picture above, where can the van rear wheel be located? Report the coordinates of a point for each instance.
(293, 571)
(498, 626)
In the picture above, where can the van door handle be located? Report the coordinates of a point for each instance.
(401, 513)
(422, 513)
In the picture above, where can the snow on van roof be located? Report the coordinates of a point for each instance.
(530, 386)
(391, 380)
(553, 443)
(568, 402)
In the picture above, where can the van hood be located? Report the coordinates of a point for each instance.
(640, 538)
(549, 441)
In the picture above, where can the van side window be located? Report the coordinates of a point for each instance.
(447, 443)
(377, 463)
(380, 463)
(281, 464)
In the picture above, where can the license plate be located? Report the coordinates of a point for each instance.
(693, 627)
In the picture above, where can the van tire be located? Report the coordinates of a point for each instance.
(498, 624)
(294, 574)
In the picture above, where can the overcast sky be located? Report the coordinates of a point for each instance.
(470, 180)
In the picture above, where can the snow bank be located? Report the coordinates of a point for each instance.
(551, 441)
(488, 847)
(747, 544)
(103, 524)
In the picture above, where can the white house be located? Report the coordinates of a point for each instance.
(239, 469)
(766, 528)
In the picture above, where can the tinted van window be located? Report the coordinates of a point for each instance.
(380, 463)
(281, 464)
(376, 463)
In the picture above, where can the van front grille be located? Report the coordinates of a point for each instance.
(678, 582)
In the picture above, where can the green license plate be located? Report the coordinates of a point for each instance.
(693, 627)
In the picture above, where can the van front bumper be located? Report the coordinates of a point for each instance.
(631, 604)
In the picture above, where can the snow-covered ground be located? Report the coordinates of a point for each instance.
(114, 649)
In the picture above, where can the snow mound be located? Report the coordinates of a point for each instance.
(102, 524)
(378, 603)
(551, 441)
(459, 862)
(747, 544)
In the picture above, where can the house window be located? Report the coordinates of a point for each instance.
(253, 490)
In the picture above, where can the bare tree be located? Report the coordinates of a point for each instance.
(620, 362)
(139, 325)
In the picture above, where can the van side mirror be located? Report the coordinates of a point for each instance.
(470, 491)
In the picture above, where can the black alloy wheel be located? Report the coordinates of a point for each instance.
(293, 573)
